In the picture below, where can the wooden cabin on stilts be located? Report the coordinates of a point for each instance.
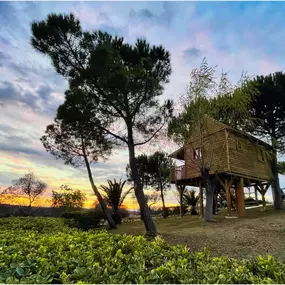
(236, 160)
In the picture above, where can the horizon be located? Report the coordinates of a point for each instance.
(31, 90)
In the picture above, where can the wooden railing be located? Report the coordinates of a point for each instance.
(178, 173)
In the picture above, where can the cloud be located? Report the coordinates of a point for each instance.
(44, 92)
(4, 42)
(163, 18)
(14, 94)
(17, 141)
(4, 57)
(90, 16)
(192, 52)
(11, 93)
(41, 99)
(18, 149)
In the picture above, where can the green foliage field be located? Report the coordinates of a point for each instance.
(46, 250)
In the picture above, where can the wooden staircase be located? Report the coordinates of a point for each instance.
(222, 194)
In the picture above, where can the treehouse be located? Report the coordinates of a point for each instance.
(234, 158)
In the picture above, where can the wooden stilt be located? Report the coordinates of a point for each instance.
(228, 184)
(201, 200)
(256, 196)
(263, 201)
(240, 198)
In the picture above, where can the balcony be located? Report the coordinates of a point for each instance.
(178, 173)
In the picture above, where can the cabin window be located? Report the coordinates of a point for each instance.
(197, 153)
(238, 145)
(261, 155)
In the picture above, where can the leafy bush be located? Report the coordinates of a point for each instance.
(35, 224)
(175, 211)
(84, 219)
(124, 213)
(117, 218)
(74, 256)
(250, 200)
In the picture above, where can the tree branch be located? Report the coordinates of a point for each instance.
(150, 138)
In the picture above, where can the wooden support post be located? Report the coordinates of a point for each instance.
(228, 185)
(263, 201)
(265, 190)
(273, 194)
(201, 200)
(240, 205)
(256, 196)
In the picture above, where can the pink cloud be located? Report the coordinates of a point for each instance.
(267, 67)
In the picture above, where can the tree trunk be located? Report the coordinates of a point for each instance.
(181, 189)
(116, 216)
(29, 210)
(144, 209)
(101, 201)
(201, 200)
(214, 205)
(278, 203)
(208, 215)
(193, 211)
(163, 203)
(181, 203)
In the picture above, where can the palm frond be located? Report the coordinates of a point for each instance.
(113, 193)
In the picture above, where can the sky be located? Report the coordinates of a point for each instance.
(235, 36)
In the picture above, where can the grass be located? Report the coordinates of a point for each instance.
(259, 233)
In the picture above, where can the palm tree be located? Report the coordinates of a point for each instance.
(189, 198)
(114, 196)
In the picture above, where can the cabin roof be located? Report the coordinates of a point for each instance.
(178, 153)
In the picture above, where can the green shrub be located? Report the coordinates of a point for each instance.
(124, 213)
(84, 219)
(117, 218)
(28, 256)
(36, 224)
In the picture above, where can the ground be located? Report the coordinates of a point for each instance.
(259, 233)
